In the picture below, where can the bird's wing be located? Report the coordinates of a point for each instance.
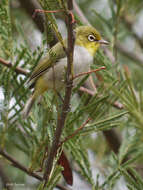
(54, 54)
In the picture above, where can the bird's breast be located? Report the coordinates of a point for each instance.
(81, 63)
(82, 59)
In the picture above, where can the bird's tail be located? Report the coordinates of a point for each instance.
(28, 106)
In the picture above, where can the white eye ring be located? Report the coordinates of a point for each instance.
(91, 38)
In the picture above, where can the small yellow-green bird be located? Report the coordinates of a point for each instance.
(50, 72)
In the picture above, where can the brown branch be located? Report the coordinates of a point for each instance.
(80, 14)
(68, 90)
(88, 91)
(88, 72)
(18, 165)
(45, 11)
(18, 70)
(116, 104)
(75, 132)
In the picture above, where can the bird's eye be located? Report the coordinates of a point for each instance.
(91, 38)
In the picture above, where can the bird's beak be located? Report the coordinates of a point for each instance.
(104, 42)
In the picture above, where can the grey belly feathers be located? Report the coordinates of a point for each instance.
(56, 75)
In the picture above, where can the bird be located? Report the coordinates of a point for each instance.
(50, 71)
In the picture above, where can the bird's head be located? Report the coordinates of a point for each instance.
(89, 37)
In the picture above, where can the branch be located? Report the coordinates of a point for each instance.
(88, 72)
(18, 70)
(75, 132)
(80, 14)
(18, 165)
(68, 90)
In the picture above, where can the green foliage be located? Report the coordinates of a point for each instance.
(29, 141)
(5, 30)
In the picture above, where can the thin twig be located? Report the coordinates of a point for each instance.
(88, 91)
(46, 11)
(18, 70)
(80, 13)
(53, 11)
(68, 90)
(75, 132)
(89, 72)
(116, 104)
